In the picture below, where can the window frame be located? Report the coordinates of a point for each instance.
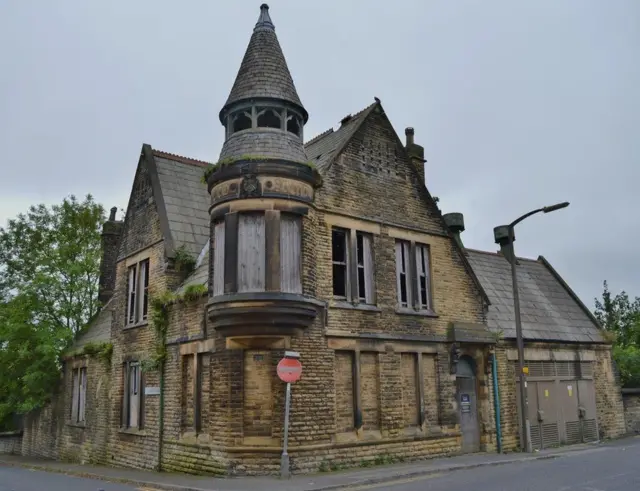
(138, 278)
(359, 264)
(131, 393)
(416, 259)
(78, 395)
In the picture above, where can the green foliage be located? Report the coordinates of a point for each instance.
(194, 292)
(628, 362)
(184, 260)
(101, 351)
(29, 357)
(53, 255)
(159, 321)
(49, 271)
(620, 317)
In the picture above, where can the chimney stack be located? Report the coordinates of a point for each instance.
(111, 232)
(416, 152)
(501, 236)
(455, 223)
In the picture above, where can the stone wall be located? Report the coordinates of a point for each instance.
(49, 432)
(631, 400)
(11, 443)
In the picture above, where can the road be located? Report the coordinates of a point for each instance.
(16, 479)
(610, 468)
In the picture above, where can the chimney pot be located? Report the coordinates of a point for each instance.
(501, 236)
(455, 223)
(112, 216)
(409, 133)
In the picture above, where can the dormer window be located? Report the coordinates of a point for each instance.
(269, 118)
(241, 121)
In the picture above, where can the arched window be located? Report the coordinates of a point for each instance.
(293, 124)
(269, 118)
(241, 121)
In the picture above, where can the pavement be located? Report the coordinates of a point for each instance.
(608, 459)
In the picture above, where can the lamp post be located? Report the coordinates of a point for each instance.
(505, 236)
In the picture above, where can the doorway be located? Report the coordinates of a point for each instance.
(468, 404)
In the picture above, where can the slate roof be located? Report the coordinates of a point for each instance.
(265, 142)
(550, 310)
(323, 148)
(99, 330)
(264, 71)
(185, 198)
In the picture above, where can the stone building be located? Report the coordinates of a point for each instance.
(335, 249)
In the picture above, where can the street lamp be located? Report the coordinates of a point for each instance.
(505, 236)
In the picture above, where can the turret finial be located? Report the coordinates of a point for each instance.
(264, 21)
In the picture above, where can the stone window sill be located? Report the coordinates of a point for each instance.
(76, 425)
(136, 325)
(420, 313)
(132, 431)
(343, 304)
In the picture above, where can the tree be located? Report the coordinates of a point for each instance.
(29, 357)
(621, 316)
(53, 255)
(49, 272)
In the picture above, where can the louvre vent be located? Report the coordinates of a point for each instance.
(550, 435)
(566, 368)
(573, 432)
(548, 369)
(535, 437)
(586, 367)
(589, 430)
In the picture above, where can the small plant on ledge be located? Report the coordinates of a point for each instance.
(184, 260)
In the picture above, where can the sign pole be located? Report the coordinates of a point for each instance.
(284, 459)
(289, 371)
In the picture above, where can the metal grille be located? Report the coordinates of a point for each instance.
(573, 432)
(589, 430)
(550, 435)
(586, 369)
(566, 368)
(535, 437)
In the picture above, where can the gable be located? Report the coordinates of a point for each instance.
(372, 169)
(142, 226)
(550, 311)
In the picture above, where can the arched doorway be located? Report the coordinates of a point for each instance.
(468, 404)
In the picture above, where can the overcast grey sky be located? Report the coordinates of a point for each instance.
(518, 104)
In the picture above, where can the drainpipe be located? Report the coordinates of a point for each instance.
(161, 417)
(496, 401)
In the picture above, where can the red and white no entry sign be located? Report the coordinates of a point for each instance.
(289, 370)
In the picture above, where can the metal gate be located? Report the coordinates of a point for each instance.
(561, 399)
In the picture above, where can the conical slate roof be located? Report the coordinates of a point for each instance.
(264, 71)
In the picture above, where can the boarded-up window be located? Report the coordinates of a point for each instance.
(410, 402)
(370, 390)
(187, 393)
(344, 391)
(403, 273)
(132, 404)
(79, 395)
(290, 254)
(258, 394)
(430, 379)
(251, 253)
(218, 259)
